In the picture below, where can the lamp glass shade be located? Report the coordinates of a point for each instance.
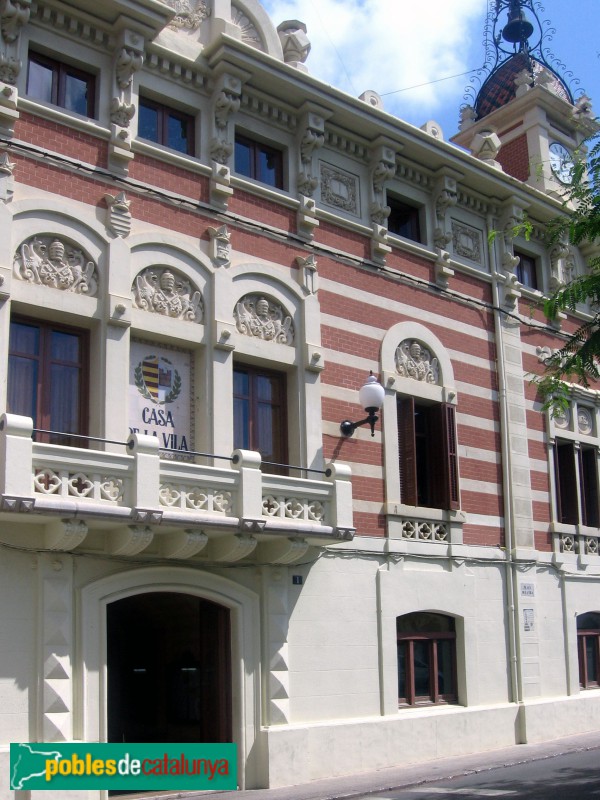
(371, 394)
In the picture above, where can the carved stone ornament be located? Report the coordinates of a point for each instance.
(10, 67)
(257, 316)
(466, 241)
(339, 189)
(416, 362)
(249, 33)
(190, 14)
(121, 113)
(13, 15)
(585, 420)
(48, 261)
(128, 62)
(160, 291)
(220, 246)
(119, 215)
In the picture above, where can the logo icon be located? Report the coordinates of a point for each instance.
(157, 380)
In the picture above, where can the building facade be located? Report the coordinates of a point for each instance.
(205, 252)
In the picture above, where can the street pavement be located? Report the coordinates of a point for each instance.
(415, 775)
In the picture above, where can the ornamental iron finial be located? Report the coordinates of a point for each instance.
(517, 41)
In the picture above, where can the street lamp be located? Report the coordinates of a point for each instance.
(370, 396)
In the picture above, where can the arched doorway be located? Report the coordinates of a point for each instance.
(168, 669)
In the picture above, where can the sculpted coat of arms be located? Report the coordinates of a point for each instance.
(416, 362)
(257, 316)
(163, 292)
(48, 261)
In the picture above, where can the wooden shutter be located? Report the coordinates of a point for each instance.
(451, 445)
(566, 483)
(442, 457)
(407, 451)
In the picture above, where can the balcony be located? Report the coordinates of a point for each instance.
(135, 502)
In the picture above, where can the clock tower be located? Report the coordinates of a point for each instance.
(525, 101)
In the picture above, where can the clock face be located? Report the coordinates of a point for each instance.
(561, 163)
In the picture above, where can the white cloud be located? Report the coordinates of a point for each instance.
(386, 45)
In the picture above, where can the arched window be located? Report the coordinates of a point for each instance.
(426, 659)
(588, 647)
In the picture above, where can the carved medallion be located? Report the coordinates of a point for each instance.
(416, 362)
(562, 418)
(49, 261)
(258, 316)
(162, 292)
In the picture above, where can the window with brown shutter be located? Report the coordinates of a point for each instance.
(428, 454)
(576, 468)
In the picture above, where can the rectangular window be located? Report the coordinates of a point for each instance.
(576, 468)
(259, 415)
(61, 85)
(403, 219)
(258, 161)
(166, 126)
(47, 378)
(527, 270)
(428, 454)
(588, 645)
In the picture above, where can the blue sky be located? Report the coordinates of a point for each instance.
(391, 45)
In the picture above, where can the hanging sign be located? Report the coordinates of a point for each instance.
(160, 395)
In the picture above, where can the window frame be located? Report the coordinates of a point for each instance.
(408, 639)
(257, 148)
(423, 474)
(583, 636)
(527, 270)
(577, 490)
(43, 387)
(255, 372)
(399, 206)
(164, 113)
(61, 70)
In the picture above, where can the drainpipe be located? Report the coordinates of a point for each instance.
(512, 603)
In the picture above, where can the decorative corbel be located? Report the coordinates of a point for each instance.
(445, 197)
(226, 102)
(561, 265)
(129, 57)
(311, 137)
(220, 246)
(383, 169)
(14, 14)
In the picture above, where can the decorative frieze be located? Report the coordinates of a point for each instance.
(196, 498)
(161, 291)
(416, 362)
(49, 261)
(109, 488)
(424, 531)
(293, 508)
(263, 318)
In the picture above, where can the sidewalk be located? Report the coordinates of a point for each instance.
(401, 777)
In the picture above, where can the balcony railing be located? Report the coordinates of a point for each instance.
(152, 495)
